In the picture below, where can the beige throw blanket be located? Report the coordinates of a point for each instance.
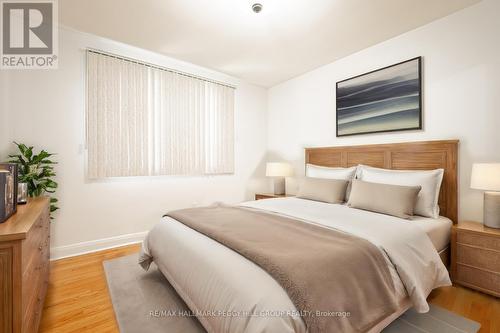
(338, 281)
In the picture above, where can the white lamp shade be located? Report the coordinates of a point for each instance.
(485, 176)
(276, 169)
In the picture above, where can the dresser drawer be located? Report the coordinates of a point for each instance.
(478, 257)
(480, 240)
(479, 279)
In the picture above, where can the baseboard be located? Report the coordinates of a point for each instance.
(72, 250)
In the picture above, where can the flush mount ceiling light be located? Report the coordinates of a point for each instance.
(257, 7)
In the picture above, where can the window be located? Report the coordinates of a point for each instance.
(144, 120)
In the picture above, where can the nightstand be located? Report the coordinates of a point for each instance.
(475, 257)
(259, 196)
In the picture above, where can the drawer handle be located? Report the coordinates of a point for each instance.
(40, 248)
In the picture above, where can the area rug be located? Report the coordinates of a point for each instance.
(145, 302)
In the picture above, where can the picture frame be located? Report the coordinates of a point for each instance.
(387, 99)
(8, 190)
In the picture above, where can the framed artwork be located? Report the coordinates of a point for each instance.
(385, 100)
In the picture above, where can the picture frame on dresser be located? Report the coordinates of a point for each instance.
(8, 190)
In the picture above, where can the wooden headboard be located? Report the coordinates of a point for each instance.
(423, 155)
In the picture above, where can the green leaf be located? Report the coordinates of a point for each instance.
(22, 148)
(41, 156)
(36, 169)
(28, 153)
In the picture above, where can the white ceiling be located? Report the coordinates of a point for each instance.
(288, 38)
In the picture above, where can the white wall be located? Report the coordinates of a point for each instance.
(461, 93)
(5, 129)
(47, 110)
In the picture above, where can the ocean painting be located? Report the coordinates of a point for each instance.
(388, 99)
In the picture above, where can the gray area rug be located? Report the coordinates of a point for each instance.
(145, 302)
(141, 300)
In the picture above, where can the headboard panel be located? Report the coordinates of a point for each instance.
(423, 155)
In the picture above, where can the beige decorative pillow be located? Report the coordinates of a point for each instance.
(395, 200)
(325, 190)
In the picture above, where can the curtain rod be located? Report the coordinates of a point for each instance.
(139, 62)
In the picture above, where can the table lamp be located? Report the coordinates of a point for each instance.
(486, 176)
(279, 171)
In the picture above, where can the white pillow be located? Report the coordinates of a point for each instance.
(316, 171)
(430, 180)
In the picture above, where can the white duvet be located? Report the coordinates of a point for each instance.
(224, 287)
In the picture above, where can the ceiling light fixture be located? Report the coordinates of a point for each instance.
(257, 7)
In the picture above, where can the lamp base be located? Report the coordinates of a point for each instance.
(279, 185)
(492, 209)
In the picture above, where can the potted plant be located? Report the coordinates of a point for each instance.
(37, 171)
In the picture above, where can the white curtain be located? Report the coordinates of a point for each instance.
(145, 121)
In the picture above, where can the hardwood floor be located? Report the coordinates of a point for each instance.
(484, 309)
(78, 299)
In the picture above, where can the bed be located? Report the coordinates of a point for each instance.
(211, 277)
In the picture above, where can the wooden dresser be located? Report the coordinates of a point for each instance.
(475, 257)
(24, 266)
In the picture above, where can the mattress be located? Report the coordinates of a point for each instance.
(438, 230)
